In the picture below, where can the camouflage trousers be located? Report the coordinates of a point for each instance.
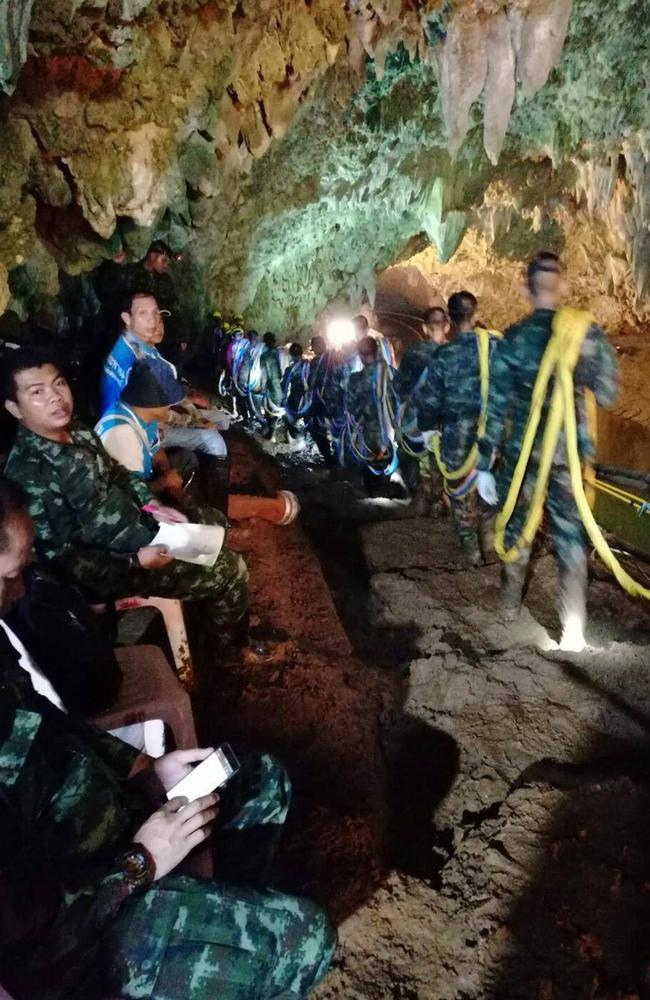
(199, 939)
(474, 525)
(223, 588)
(569, 544)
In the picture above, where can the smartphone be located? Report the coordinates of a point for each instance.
(211, 773)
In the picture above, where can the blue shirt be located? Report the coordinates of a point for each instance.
(145, 435)
(127, 349)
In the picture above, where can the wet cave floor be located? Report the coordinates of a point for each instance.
(471, 807)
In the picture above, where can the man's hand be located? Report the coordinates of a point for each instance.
(154, 556)
(175, 829)
(199, 399)
(166, 515)
(206, 425)
(487, 488)
(174, 766)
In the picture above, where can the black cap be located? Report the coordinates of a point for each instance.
(159, 246)
(152, 383)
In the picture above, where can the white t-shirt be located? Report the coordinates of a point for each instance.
(39, 680)
(123, 444)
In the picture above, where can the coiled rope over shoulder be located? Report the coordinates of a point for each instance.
(467, 468)
(570, 327)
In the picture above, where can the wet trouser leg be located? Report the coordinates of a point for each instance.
(318, 431)
(570, 549)
(513, 580)
(465, 516)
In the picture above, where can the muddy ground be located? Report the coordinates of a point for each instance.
(472, 807)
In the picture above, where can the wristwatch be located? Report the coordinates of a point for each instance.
(137, 866)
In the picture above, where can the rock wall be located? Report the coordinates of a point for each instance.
(295, 149)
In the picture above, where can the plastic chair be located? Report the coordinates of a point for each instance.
(172, 612)
(150, 691)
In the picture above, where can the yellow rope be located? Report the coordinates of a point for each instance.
(570, 328)
(617, 493)
(483, 337)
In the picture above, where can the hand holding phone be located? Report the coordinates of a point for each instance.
(210, 774)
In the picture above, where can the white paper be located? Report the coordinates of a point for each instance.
(193, 543)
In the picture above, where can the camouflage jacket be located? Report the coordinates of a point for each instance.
(86, 507)
(370, 401)
(66, 813)
(336, 387)
(448, 397)
(415, 361)
(513, 373)
(272, 375)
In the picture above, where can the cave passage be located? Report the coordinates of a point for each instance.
(300, 265)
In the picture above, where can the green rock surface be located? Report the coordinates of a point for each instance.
(295, 150)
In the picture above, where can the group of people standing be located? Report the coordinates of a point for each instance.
(455, 411)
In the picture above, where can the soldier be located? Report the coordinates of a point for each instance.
(271, 382)
(345, 363)
(363, 329)
(320, 371)
(295, 395)
(91, 899)
(419, 355)
(93, 519)
(448, 402)
(370, 405)
(416, 359)
(144, 331)
(514, 371)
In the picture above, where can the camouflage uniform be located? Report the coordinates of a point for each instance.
(415, 361)
(513, 373)
(448, 398)
(88, 518)
(74, 928)
(320, 372)
(271, 375)
(373, 415)
(416, 470)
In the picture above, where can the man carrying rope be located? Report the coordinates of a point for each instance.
(541, 377)
(450, 402)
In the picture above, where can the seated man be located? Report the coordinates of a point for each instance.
(55, 632)
(129, 429)
(91, 904)
(144, 330)
(89, 512)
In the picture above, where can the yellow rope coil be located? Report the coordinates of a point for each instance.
(453, 475)
(570, 327)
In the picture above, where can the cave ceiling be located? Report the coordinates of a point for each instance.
(294, 149)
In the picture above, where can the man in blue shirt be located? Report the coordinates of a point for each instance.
(129, 430)
(144, 330)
